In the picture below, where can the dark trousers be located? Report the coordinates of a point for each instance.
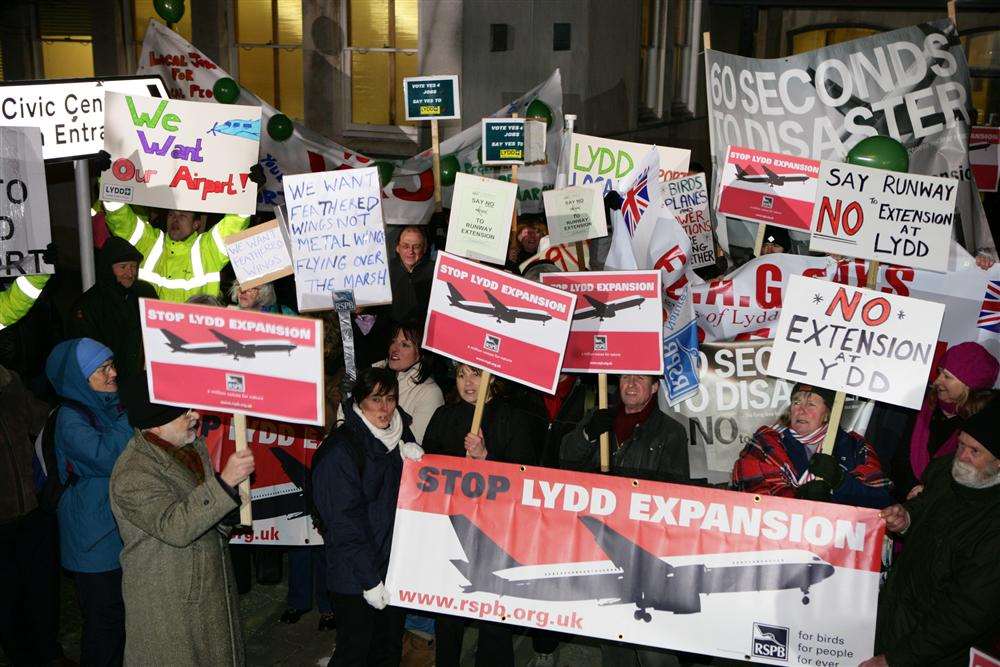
(100, 598)
(367, 637)
(495, 647)
(29, 590)
(306, 575)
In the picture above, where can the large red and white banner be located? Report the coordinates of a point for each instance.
(984, 157)
(512, 327)
(283, 455)
(618, 323)
(234, 360)
(695, 569)
(769, 188)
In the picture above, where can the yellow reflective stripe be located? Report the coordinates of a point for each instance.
(197, 268)
(217, 237)
(179, 283)
(154, 254)
(25, 286)
(112, 206)
(140, 227)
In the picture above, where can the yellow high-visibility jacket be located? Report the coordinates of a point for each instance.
(18, 299)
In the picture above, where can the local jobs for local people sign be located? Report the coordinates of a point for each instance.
(69, 113)
(482, 211)
(503, 141)
(984, 157)
(338, 239)
(859, 341)
(234, 360)
(768, 188)
(190, 156)
(575, 213)
(890, 216)
(24, 203)
(687, 199)
(431, 97)
(618, 322)
(613, 163)
(490, 319)
(259, 254)
(776, 580)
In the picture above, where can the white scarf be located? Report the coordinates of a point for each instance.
(390, 437)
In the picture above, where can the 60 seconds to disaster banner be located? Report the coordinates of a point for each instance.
(773, 580)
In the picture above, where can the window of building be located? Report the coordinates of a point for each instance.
(269, 52)
(142, 11)
(670, 42)
(562, 34)
(816, 37)
(982, 48)
(64, 32)
(498, 37)
(382, 51)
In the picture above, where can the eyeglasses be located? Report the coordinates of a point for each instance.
(107, 367)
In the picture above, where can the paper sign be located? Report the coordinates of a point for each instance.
(234, 360)
(890, 216)
(337, 236)
(490, 319)
(575, 214)
(259, 254)
(687, 198)
(24, 203)
(618, 322)
(535, 133)
(190, 156)
(482, 212)
(612, 162)
(984, 157)
(429, 97)
(872, 344)
(503, 141)
(70, 113)
(769, 188)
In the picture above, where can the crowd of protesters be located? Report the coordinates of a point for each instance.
(120, 491)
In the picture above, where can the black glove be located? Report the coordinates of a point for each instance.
(102, 162)
(599, 422)
(817, 489)
(51, 254)
(613, 200)
(257, 174)
(826, 468)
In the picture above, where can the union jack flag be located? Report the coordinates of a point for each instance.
(989, 312)
(636, 202)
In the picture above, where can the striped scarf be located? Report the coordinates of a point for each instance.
(811, 441)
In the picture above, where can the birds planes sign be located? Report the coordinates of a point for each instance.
(234, 360)
(770, 188)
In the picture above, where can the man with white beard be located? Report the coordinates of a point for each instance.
(943, 593)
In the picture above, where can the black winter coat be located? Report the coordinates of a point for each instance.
(355, 484)
(507, 431)
(943, 593)
(656, 450)
(411, 290)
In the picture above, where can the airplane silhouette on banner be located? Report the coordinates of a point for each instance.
(229, 346)
(495, 308)
(633, 576)
(601, 309)
(768, 177)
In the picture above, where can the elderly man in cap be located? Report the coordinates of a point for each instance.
(943, 593)
(177, 579)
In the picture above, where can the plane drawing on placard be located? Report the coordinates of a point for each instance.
(229, 347)
(601, 309)
(633, 576)
(768, 177)
(247, 129)
(496, 308)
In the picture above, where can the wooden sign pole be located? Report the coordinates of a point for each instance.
(436, 157)
(512, 244)
(602, 403)
(484, 387)
(246, 512)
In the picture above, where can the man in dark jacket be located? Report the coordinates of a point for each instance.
(645, 442)
(410, 274)
(108, 312)
(943, 594)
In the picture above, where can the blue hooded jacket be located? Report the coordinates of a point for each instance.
(88, 443)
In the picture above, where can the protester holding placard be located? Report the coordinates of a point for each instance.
(411, 272)
(784, 459)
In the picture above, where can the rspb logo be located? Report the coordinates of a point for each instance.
(770, 641)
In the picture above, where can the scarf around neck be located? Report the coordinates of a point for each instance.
(391, 436)
(811, 441)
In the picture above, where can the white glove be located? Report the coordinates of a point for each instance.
(377, 597)
(411, 450)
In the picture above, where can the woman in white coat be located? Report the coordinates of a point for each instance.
(419, 394)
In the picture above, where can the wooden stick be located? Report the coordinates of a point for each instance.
(581, 256)
(759, 242)
(484, 387)
(513, 223)
(706, 39)
(436, 153)
(602, 403)
(951, 12)
(246, 513)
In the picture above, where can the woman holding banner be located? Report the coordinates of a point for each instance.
(785, 459)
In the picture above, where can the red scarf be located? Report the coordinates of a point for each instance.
(625, 423)
(554, 403)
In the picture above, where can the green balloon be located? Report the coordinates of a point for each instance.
(170, 11)
(880, 153)
(385, 170)
(226, 90)
(539, 110)
(449, 167)
(280, 127)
